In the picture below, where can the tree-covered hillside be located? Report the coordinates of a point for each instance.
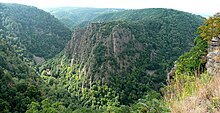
(73, 16)
(22, 89)
(17, 79)
(42, 34)
(132, 55)
(147, 14)
(116, 64)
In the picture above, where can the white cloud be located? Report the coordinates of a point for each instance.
(193, 6)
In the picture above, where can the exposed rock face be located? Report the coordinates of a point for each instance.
(97, 52)
(170, 75)
(104, 50)
(213, 63)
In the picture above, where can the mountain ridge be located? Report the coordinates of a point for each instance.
(30, 27)
(74, 16)
(113, 52)
(116, 63)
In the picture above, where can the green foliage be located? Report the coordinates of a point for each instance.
(101, 98)
(67, 88)
(159, 36)
(127, 85)
(132, 87)
(33, 107)
(17, 78)
(16, 94)
(13, 60)
(151, 103)
(188, 69)
(191, 81)
(47, 107)
(42, 34)
(87, 110)
(215, 103)
(144, 14)
(77, 17)
(194, 60)
(210, 28)
(131, 50)
(100, 54)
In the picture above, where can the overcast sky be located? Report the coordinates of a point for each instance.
(202, 7)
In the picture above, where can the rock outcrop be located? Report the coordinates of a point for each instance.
(213, 63)
(97, 49)
(132, 47)
(170, 75)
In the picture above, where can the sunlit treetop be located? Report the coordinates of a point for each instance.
(210, 28)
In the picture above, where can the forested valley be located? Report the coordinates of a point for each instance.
(101, 60)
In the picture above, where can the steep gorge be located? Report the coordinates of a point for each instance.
(117, 63)
(139, 51)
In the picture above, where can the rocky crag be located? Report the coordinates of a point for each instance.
(213, 63)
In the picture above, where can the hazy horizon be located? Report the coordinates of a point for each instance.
(199, 7)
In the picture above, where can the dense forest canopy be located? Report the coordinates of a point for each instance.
(73, 16)
(114, 60)
(42, 34)
(118, 49)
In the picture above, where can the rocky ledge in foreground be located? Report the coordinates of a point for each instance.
(213, 63)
